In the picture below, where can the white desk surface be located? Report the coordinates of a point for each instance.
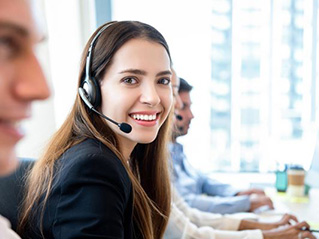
(305, 208)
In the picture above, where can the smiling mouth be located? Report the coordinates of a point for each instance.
(11, 123)
(144, 117)
(12, 129)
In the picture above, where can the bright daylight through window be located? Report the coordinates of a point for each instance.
(263, 85)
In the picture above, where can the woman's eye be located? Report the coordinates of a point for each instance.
(130, 81)
(164, 81)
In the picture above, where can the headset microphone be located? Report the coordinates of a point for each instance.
(179, 117)
(89, 89)
(126, 128)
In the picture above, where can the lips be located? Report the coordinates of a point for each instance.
(10, 123)
(11, 129)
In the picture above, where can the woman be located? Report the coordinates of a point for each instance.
(97, 179)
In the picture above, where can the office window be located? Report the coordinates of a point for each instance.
(263, 80)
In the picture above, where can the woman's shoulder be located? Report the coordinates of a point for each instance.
(87, 150)
(92, 158)
(90, 182)
(90, 146)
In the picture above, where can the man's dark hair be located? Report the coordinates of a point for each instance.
(184, 86)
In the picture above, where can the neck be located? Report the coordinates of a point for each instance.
(126, 151)
(174, 137)
(8, 162)
(126, 147)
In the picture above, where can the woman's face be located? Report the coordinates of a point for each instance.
(136, 89)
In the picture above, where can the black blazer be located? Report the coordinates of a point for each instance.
(91, 196)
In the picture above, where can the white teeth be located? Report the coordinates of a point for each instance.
(144, 117)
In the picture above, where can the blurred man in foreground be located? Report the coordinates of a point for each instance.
(21, 82)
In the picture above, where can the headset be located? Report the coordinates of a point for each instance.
(90, 91)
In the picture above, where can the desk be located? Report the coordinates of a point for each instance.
(305, 208)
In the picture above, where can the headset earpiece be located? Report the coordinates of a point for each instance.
(90, 85)
(92, 90)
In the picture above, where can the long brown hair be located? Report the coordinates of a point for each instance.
(149, 170)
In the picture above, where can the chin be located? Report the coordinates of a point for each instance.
(145, 139)
(6, 142)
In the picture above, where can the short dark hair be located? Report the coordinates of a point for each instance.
(184, 86)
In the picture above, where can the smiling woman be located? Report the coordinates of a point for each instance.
(141, 98)
(125, 75)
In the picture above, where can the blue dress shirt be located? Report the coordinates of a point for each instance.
(202, 192)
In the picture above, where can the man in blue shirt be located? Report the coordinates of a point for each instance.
(198, 190)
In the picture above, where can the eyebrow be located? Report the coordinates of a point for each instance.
(15, 28)
(143, 73)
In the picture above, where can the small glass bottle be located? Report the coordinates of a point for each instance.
(281, 178)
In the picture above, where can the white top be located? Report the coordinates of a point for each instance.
(5, 230)
(189, 223)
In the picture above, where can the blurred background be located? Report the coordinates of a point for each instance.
(253, 65)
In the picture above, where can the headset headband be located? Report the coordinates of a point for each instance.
(89, 55)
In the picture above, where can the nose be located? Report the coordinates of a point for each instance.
(30, 83)
(150, 95)
(189, 114)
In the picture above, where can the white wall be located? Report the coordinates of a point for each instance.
(60, 57)
(42, 124)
